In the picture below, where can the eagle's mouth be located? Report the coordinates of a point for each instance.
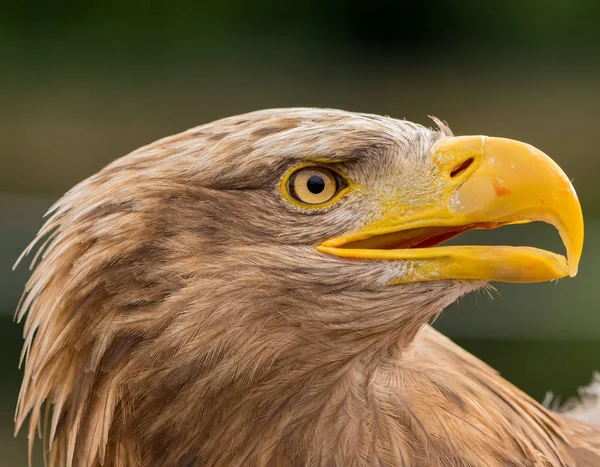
(430, 261)
(423, 237)
(506, 182)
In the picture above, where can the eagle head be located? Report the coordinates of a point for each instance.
(242, 293)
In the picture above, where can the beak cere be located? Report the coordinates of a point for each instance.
(485, 183)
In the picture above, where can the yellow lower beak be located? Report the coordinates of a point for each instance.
(486, 182)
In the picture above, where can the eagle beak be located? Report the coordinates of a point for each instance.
(479, 183)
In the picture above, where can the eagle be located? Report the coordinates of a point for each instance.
(259, 291)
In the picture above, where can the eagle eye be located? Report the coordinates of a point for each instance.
(313, 186)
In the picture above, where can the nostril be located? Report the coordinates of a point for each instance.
(461, 167)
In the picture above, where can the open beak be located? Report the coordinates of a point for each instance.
(485, 183)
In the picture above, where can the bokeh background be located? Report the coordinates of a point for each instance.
(82, 83)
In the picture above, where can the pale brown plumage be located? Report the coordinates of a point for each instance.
(180, 316)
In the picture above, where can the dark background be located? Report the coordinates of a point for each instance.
(82, 83)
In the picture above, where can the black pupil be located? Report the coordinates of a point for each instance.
(315, 184)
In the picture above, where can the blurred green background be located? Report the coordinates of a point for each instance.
(82, 83)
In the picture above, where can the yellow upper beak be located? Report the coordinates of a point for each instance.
(485, 182)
